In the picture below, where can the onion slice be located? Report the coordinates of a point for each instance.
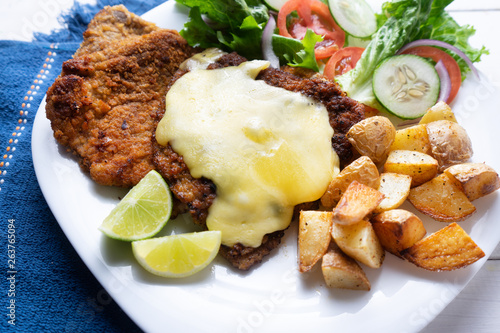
(267, 43)
(444, 93)
(432, 42)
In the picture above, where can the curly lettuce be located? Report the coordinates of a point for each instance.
(297, 53)
(233, 25)
(237, 25)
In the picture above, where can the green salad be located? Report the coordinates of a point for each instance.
(306, 36)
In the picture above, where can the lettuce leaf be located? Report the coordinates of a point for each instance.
(197, 33)
(297, 53)
(444, 28)
(230, 13)
(233, 25)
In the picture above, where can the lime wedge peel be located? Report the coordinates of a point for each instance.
(177, 256)
(142, 213)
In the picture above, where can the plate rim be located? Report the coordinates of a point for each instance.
(99, 268)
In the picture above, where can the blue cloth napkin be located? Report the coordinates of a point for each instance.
(45, 285)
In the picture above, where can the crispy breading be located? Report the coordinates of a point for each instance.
(103, 105)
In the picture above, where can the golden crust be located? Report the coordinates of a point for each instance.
(103, 105)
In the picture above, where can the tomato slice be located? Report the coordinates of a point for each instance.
(314, 15)
(342, 61)
(449, 63)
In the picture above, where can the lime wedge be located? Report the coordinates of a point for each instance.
(177, 256)
(142, 213)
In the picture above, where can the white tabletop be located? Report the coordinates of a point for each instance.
(477, 307)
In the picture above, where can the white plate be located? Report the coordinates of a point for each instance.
(272, 296)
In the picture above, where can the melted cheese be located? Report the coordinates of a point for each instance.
(265, 148)
(202, 60)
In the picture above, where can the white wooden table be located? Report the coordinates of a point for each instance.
(477, 308)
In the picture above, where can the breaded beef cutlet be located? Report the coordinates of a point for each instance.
(198, 194)
(103, 105)
(107, 102)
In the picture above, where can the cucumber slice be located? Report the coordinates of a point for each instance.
(355, 17)
(406, 85)
(356, 41)
(275, 4)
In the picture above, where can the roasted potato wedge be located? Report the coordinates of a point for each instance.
(447, 249)
(440, 111)
(450, 143)
(314, 237)
(362, 170)
(419, 166)
(395, 187)
(356, 203)
(412, 138)
(360, 242)
(398, 229)
(477, 179)
(443, 199)
(341, 271)
(372, 137)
